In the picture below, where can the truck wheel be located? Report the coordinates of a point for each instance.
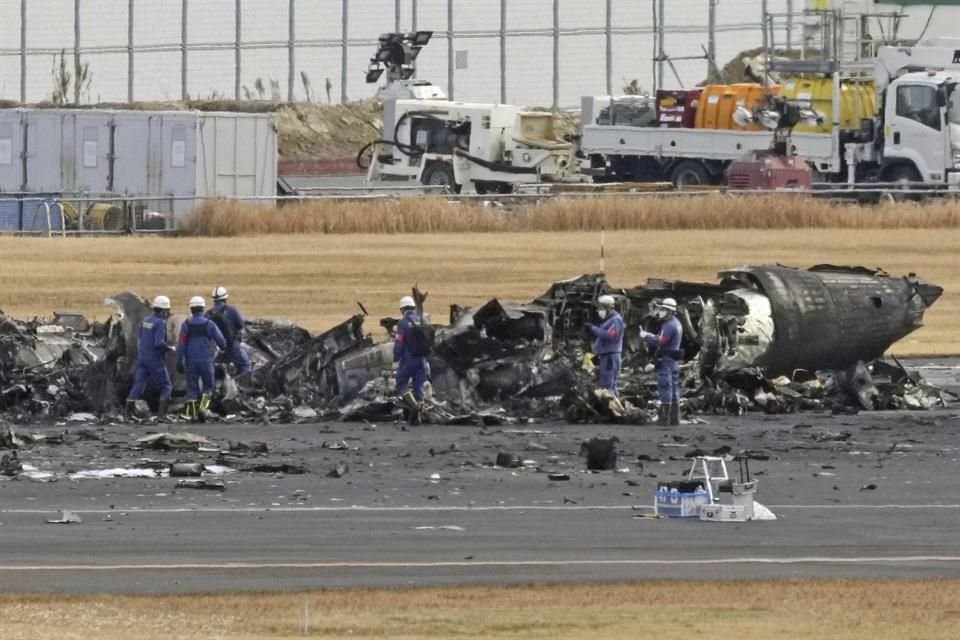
(689, 174)
(902, 175)
(440, 174)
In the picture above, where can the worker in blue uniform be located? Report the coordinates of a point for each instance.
(151, 358)
(230, 322)
(411, 360)
(667, 352)
(608, 343)
(196, 349)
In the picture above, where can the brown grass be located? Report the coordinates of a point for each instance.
(437, 215)
(835, 609)
(316, 279)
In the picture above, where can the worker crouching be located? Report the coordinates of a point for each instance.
(196, 351)
(608, 343)
(668, 355)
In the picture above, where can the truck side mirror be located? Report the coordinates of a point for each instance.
(941, 97)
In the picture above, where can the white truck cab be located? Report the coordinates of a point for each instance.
(921, 134)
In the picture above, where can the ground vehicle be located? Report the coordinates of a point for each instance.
(429, 139)
(492, 147)
(914, 136)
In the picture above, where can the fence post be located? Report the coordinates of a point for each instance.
(130, 50)
(789, 25)
(413, 25)
(238, 11)
(23, 51)
(712, 67)
(661, 51)
(556, 54)
(344, 24)
(608, 32)
(291, 50)
(76, 52)
(183, 49)
(451, 54)
(503, 51)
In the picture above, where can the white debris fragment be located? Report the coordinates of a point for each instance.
(113, 473)
(304, 413)
(760, 512)
(445, 527)
(218, 469)
(81, 417)
(66, 517)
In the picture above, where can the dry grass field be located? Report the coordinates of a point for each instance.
(611, 212)
(838, 610)
(314, 279)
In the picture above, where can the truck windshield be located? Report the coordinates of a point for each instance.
(953, 103)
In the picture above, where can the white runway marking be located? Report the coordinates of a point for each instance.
(217, 566)
(442, 509)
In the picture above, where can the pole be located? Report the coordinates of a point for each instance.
(712, 41)
(413, 21)
(661, 52)
(130, 50)
(608, 32)
(23, 51)
(76, 52)
(344, 26)
(396, 16)
(789, 25)
(503, 51)
(237, 12)
(451, 54)
(183, 49)
(291, 50)
(653, 58)
(766, 45)
(556, 54)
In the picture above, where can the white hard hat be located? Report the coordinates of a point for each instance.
(161, 302)
(669, 304)
(606, 301)
(220, 293)
(197, 301)
(407, 302)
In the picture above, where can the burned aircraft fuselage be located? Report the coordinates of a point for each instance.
(783, 319)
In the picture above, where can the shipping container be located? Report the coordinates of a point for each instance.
(175, 154)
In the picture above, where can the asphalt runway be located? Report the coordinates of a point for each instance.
(872, 495)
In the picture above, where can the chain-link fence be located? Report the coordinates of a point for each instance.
(536, 52)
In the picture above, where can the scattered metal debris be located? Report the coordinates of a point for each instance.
(66, 517)
(753, 342)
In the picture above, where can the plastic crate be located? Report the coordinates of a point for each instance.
(671, 503)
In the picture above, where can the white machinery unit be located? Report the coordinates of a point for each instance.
(438, 142)
(914, 137)
(492, 147)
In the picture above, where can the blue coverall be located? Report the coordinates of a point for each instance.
(608, 347)
(667, 345)
(232, 334)
(198, 334)
(151, 366)
(411, 366)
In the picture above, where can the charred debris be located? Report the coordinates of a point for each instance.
(767, 338)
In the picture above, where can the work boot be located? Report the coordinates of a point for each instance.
(203, 409)
(129, 409)
(189, 411)
(162, 406)
(663, 413)
(674, 414)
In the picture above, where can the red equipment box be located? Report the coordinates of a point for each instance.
(677, 107)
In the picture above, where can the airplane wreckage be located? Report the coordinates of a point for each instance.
(765, 338)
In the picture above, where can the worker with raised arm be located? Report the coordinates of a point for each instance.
(230, 322)
(608, 343)
(668, 355)
(151, 359)
(196, 349)
(410, 351)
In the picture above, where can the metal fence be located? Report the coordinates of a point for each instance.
(535, 52)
